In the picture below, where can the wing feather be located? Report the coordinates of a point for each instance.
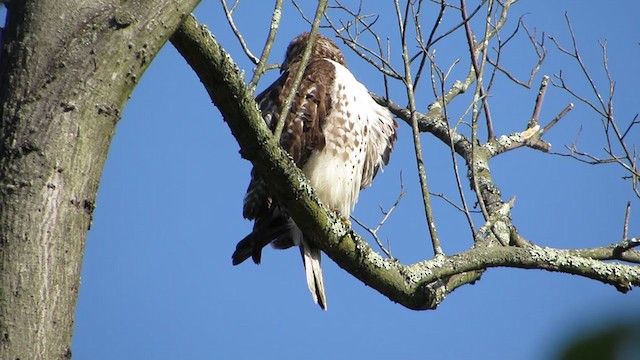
(381, 134)
(302, 134)
(305, 120)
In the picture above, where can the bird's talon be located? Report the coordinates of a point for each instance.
(345, 220)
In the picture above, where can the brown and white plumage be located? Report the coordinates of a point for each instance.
(335, 132)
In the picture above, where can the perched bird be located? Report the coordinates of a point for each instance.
(335, 132)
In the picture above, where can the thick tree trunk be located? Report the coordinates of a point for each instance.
(67, 69)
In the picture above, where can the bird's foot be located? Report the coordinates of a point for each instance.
(345, 219)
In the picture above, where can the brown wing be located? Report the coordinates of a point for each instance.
(302, 133)
(301, 136)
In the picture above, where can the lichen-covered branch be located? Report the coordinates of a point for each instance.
(418, 286)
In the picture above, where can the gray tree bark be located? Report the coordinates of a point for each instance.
(66, 71)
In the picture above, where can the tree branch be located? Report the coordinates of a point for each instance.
(419, 286)
(266, 50)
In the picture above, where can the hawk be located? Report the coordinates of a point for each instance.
(335, 132)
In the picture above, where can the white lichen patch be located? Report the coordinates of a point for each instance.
(459, 85)
(378, 261)
(414, 274)
(435, 106)
(491, 147)
(542, 254)
(304, 185)
(565, 262)
(338, 228)
(504, 141)
(480, 164)
(419, 271)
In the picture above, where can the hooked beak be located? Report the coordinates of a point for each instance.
(284, 66)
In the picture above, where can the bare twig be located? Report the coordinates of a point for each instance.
(266, 50)
(635, 121)
(458, 26)
(560, 83)
(539, 48)
(531, 137)
(422, 173)
(377, 59)
(302, 14)
(465, 209)
(479, 68)
(628, 160)
(386, 215)
(539, 100)
(437, 23)
(583, 67)
(424, 54)
(556, 119)
(229, 14)
(625, 229)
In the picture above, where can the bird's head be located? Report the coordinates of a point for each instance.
(323, 48)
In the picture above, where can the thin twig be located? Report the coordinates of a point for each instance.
(458, 26)
(437, 23)
(386, 215)
(605, 109)
(351, 40)
(422, 173)
(556, 119)
(539, 100)
(627, 215)
(478, 68)
(541, 53)
(229, 14)
(465, 209)
(266, 50)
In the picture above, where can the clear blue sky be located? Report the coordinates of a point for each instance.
(157, 279)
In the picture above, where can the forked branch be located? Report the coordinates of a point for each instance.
(418, 286)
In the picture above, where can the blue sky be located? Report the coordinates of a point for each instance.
(157, 279)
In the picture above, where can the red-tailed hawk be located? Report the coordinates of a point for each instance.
(335, 132)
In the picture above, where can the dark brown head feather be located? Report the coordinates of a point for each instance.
(323, 48)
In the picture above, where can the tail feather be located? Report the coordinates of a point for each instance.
(266, 229)
(252, 244)
(311, 257)
(282, 232)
